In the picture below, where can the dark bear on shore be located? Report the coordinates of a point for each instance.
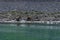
(29, 18)
(18, 18)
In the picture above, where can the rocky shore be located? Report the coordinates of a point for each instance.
(34, 15)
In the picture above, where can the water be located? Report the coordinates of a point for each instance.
(29, 32)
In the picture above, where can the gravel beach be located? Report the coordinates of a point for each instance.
(35, 15)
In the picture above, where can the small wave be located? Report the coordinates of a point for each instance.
(22, 25)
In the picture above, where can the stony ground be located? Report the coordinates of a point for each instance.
(42, 16)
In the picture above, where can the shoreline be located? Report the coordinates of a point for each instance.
(28, 22)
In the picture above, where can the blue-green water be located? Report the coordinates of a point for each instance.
(29, 32)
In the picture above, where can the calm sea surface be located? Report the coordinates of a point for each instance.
(29, 32)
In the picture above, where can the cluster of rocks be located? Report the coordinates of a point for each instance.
(33, 16)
